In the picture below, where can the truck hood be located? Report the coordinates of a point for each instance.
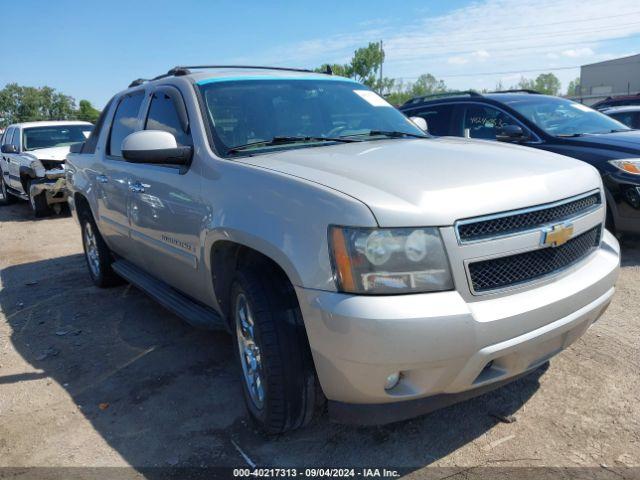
(434, 182)
(53, 153)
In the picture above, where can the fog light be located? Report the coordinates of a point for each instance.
(392, 381)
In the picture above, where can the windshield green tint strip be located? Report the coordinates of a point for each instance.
(269, 77)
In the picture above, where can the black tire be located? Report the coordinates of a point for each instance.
(38, 203)
(99, 266)
(292, 394)
(5, 197)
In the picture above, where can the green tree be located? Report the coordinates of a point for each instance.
(546, 83)
(86, 112)
(525, 84)
(366, 64)
(364, 67)
(337, 69)
(574, 88)
(23, 104)
(427, 84)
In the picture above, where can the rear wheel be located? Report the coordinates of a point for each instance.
(97, 254)
(39, 205)
(279, 383)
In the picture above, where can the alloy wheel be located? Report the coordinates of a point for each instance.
(91, 249)
(250, 356)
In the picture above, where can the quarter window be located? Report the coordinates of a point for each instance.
(125, 121)
(163, 116)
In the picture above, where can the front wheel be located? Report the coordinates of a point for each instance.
(97, 254)
(5, 197)
(39, 205)
(279, 383)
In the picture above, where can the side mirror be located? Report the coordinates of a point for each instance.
(511, 133)
(420, 122)
(154, 146)
(8, 148)
(76, 147)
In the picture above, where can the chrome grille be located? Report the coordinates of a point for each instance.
(508, 271)
(519, 221)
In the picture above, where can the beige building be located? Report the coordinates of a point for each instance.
(620, 76)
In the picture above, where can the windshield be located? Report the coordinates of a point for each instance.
(560, 117)
(54, 136)
(296, 112)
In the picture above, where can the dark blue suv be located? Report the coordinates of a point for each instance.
(550, 123)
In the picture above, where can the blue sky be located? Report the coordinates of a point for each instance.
(92, 49)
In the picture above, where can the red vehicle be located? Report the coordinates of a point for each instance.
(617, 101)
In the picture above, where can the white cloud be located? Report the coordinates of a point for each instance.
(506, 35)
(578, 52)
(481, 54)
(457, 60)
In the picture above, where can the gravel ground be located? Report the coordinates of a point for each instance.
(92, 377)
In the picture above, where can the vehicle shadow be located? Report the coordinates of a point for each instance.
(20, 211)
(164, 394)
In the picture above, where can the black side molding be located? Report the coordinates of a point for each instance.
(185, 307)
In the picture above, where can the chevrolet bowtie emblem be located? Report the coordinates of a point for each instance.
(557, 235)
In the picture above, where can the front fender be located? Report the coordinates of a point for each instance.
(281, 217)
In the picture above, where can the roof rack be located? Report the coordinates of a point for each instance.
(186, 70)
(137, 82)
(518, 90)
(470, 93)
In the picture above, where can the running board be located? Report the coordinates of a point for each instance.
(189, 310)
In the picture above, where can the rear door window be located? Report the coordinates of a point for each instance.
(125, 121)
(482, 121)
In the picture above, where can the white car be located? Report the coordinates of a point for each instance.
(32, 162)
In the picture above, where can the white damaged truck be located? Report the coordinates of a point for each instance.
(32, 162)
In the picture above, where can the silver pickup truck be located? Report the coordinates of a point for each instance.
(357, 261)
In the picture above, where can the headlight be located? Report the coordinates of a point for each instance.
(389, 260)
(629, 165)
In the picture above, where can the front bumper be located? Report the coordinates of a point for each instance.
(624, 201)
(53, 186)
(444, 345)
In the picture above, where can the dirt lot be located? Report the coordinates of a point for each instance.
(92, 377)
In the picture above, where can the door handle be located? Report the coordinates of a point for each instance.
(102, 178)
(136, 187)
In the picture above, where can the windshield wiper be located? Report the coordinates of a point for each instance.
(284, 140)
(389, 133)
(569, 135)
